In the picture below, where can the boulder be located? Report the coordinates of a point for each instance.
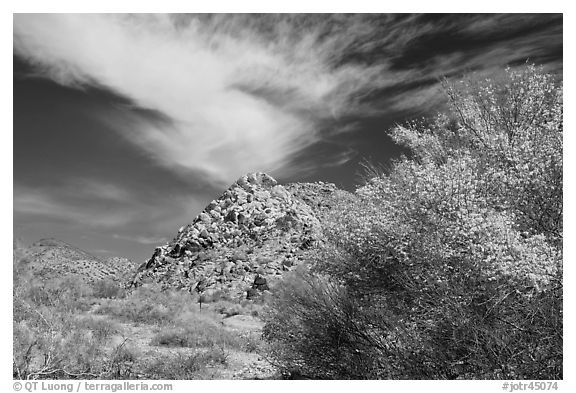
(204, 217)
(231, 216)
(260, 283)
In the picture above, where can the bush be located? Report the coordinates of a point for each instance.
(196, 332)
(66, 294)
(314, 330)
(52, 346)
(252, 343)
(450, 265)
(121, 362)
(245, 307)
(185, 366)
(108, 289)
(229, 309)
(149, 304)
(101, 328)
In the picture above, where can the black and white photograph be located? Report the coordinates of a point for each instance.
(287, 196)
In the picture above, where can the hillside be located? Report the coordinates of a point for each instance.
(244, 240)
(51, 258)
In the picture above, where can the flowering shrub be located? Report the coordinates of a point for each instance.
(452, 262)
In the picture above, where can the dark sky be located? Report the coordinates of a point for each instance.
(125, 126)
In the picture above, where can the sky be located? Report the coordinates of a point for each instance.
(126, 126)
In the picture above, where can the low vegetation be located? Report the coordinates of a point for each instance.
(67, 329)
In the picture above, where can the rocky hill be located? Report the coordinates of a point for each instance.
(52, 258)
(244, 240)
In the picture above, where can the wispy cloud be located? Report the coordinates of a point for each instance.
(108, 209)
(38, 203)
(141, 239)
(97, 190)
(237, 101)
(239, 93)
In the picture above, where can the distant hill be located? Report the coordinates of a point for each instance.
(53, 258)
(244, 240)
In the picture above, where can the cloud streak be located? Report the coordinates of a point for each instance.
(105, 207)
(141, 239)
(239, 93)
(97, 190)
(37, 203)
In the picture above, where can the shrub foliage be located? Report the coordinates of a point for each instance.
(449, 265)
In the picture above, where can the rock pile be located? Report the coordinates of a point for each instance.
(239, 243)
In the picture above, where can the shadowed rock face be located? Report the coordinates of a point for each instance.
(243, 240)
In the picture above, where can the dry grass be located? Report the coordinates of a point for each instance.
(66, 329)
(197, 365)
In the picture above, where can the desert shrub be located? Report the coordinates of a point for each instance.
(313, 330)
(121, 362)
(252, 342)
(197, 331)
(228, 309)
(49, 345)
(101, 328)
(136, 311)
(450, 265)
(148, 304)
(244, 307)
(107, 288)
(52, 339)
(185, 366)
(174, 338)
(66, 294)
